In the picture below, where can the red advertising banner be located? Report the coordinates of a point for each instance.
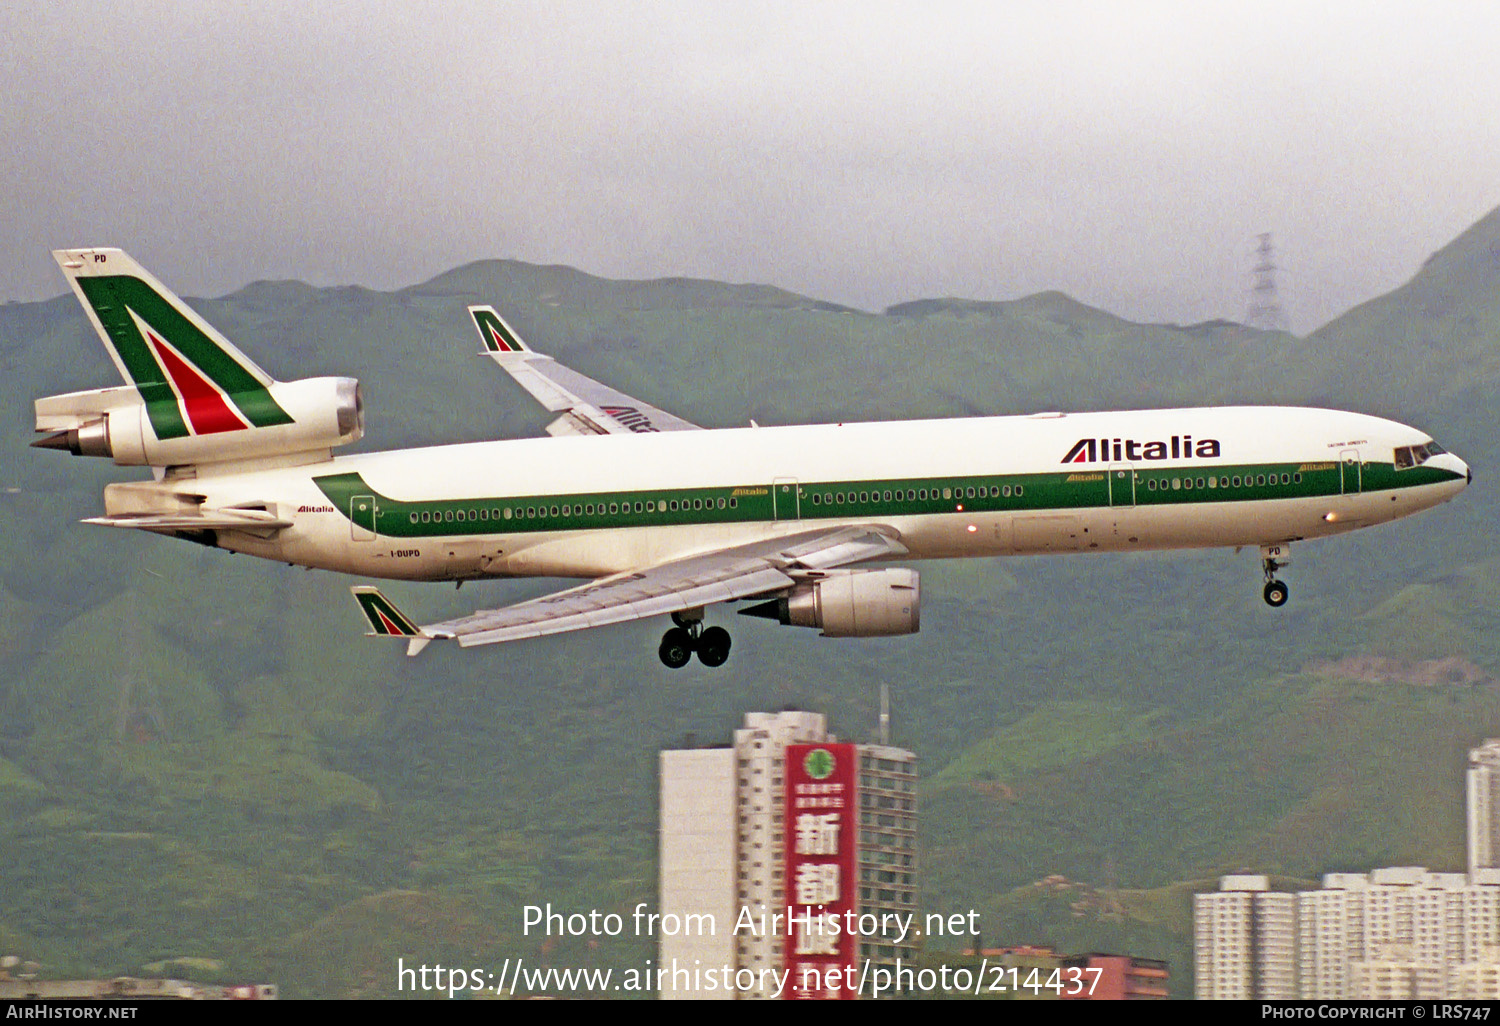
(822, 884)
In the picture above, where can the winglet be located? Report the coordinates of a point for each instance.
(498, 337)
(386, 621)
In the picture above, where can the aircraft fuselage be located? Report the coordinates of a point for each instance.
(995, 486)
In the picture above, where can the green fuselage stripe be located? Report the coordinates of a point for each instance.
(1097, 487)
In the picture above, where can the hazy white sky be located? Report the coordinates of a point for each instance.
(1126, 153)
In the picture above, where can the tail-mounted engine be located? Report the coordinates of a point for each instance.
(850, 603)
(279, 419)
(191, 397)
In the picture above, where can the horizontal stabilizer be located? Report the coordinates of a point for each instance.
(204, 520)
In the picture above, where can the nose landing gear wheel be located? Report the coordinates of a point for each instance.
(1275, 594)
(677, 647)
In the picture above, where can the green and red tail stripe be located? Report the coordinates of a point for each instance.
(206, 409)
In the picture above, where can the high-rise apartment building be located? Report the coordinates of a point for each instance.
(1244, 937)
(1401, 933)
(786, 818)
(1396, 933)
(1483, 790)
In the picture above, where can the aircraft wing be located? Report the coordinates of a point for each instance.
(588, 407)
(759, 568)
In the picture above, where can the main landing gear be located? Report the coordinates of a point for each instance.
(689, 636)
(1272, 559)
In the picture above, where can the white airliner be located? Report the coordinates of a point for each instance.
(662, 517)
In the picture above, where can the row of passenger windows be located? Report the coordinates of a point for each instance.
(588, 509)
(1187, 483)
(818, 498)
(915, 495)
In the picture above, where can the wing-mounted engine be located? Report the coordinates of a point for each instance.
(850, 603)
(191, 397)
(281, 418)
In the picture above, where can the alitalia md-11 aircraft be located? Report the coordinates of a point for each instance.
(662, 517)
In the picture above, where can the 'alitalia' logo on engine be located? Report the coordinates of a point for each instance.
(1120, 450)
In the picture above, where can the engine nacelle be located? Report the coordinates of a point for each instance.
(306, 416)
(851, 604)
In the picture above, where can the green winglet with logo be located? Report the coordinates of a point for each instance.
(498, 336)
(386, 621)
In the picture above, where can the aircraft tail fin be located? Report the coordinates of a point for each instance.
(498, 337)
(191, 397)
(386, 621)
(159, 343)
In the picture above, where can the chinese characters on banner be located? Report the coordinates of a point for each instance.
(821, 876)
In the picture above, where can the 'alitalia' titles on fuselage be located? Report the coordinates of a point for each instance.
(1128, 450)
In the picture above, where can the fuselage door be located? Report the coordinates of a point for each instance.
(1121, 484)
(1349, 471)
(786, 498)
(362, 517)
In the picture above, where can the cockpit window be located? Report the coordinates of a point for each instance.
(1413, 455)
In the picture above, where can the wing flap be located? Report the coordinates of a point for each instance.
(605, 606)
